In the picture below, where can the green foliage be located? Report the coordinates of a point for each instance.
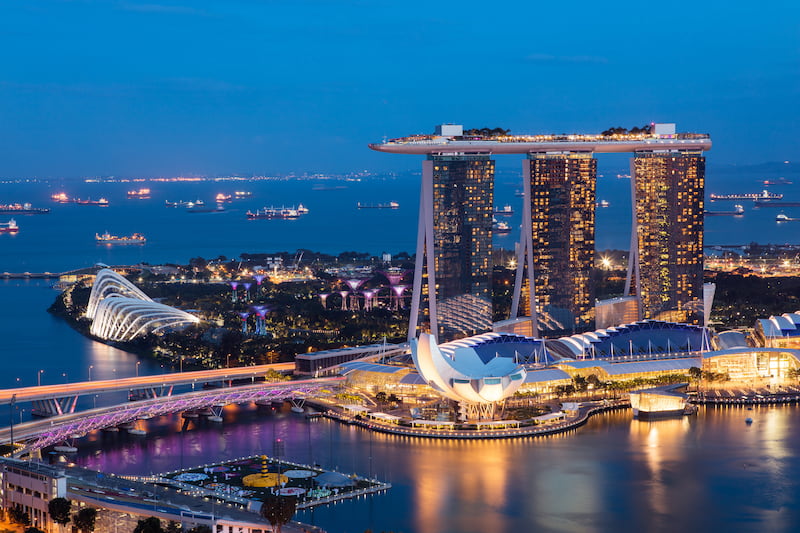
(60, 510)
(85, 519)
(173, 527)
(278, 510)
(149, 525)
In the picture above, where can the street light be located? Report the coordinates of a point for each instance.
(39, 378)
(137, 368)
(90, 372)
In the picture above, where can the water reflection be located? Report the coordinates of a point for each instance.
(615, 474)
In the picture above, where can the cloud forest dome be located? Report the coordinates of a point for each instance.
(120, 311)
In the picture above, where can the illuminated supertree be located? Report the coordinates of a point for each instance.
(234, 286)
(394, 277)
(324, 299)
(368, 299)
(259, 278)
(247, 291)
(354, 285)
(398, 291)
(344, 299)
(261, 313)
(244, 317)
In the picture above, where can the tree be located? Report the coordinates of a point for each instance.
(149, 525)
(381, 397)
(33, 530)
(278, 510)
(202, 528)
(695, 373)
(173, 527)
(85, 519)
(59, 509)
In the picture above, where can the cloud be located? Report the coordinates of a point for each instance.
(549, 58)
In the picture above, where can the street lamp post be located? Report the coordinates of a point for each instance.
(90, 372)
(39, 378)
(137, 368)
(11, 419)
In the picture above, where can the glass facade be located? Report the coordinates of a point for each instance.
(463, 200)
(562, 211)
(669, 188)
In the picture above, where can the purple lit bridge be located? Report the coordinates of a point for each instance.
(42, 433)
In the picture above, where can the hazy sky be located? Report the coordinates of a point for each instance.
(97, 87)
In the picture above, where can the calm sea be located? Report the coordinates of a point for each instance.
(64, 239)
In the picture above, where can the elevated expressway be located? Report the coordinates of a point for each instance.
(38, 434)
(52, 400)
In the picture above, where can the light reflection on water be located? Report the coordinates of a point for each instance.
(711, 471)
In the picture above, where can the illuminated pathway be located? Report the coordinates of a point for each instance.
(58, 429)
(61, 399)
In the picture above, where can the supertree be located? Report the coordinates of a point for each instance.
(234, 286)
(344, 299)
(259, 278)
(324, 299)
(244, 315)
(247, 291)
(398, 291)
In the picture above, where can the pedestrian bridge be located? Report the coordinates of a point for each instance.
(54, 400)
(39, 434)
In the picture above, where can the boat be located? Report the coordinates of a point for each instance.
(141, 193)
(9, 227)
(200, 207)
(303, 210)
(22, 209)
(505, 211)
(777, 181)
(61, 198)
(102, 202)
(388, 205)
(775, 203)
(107, 238)
(785, 218)
(603, 203)
(285, 213)
(223, 198)
(179, 203)
(763, 195)
(748, 420)
(501, 227)
(738, 211)
(242, 194)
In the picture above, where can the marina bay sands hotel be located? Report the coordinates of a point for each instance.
(553, 293)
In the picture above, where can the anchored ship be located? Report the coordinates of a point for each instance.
(285, 213)
(61, 198)
(389, 205)
(102, 202)
(505, 211)
(200, 207)
(107, 238)
(22, 209)
(9, 227)
(785, 218)
(141, 193)
(500, 227)
(179, 203)
(763, 195)
(738, 210)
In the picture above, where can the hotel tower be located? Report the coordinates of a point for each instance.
(452, 283)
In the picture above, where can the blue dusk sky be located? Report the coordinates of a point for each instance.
(99, 87)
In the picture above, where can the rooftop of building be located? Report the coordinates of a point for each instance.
(451, 138)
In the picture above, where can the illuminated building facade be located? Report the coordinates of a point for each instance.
(666, 270)
(454, 248)
(562, 218)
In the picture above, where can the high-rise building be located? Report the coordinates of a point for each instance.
(562, 219)
(667, 267)
(454, 249)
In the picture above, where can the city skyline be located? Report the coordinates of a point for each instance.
(168, 88)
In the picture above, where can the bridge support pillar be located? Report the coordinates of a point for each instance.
(54, 406)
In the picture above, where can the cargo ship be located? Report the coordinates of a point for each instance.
(738, 211)
(141, 194)
(785, 218)
(9, 227)
(284, 213)
(102, 202)
(389, 205)
(22, 209)
(505, 211)
(200, 207)
(107, 238)
(223, 198)
(242, 194)
(179, 203)
(61, 198)
(501, 228)
(775, 203)
(763, 195)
